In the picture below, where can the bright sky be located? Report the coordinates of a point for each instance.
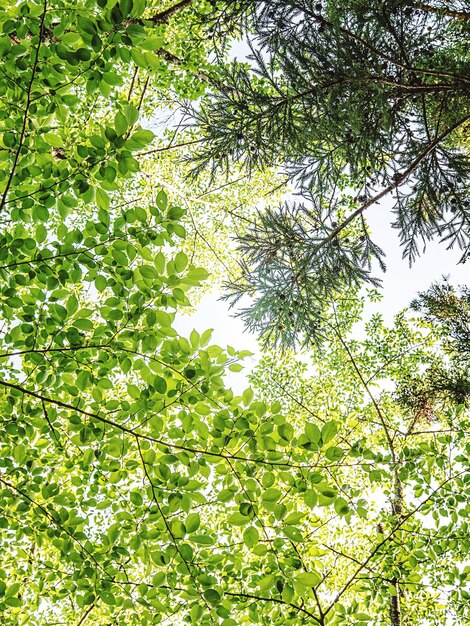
(400, 285)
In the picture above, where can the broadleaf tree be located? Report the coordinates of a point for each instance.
(135, 488)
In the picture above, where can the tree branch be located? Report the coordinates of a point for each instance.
(444, 11)
(26, 111)
(321, 20)
(133, 433)
(276, 601)
(397, 182)
(390, 535)
(164, 16)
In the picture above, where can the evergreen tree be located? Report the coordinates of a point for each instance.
(446, 382)
(449, 308)
(354, 100)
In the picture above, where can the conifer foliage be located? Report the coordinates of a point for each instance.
(355, 100)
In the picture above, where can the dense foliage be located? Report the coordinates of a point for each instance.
(135, 487)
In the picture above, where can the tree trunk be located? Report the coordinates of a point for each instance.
(397, 510)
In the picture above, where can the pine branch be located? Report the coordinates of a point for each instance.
(442, 11)
(401, 178)
(379, 53)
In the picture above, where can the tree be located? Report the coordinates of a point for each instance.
(355, 100)
(364, 574)
(135, 488)
(87, 298)
(448, 309)
(215, 208)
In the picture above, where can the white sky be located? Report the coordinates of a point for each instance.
(400, 285)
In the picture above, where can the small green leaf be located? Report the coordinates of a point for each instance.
(152, 43)
(192, 523)
(313, 432)
(309, 579)
(334, 453)
(181, 261)
(178, 529)
(328, 431)
(271, 495)
(136, 498)
(212, 596)
(237, 519)
(120, 123)
(310, 498)
(160, 384)
(247, 396)
(251, 536)
(161, 200)
(341, 506)
(102, 199)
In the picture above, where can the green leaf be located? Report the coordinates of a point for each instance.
(334, 453)
(178, 529)
(237, 519)
(181, 261)
(286, 432)
(205, 337)
(160, 384)
(100, 283)
(271, 495)
(192, 523)
(247, 396)
(310, 498)
(251, 536)
(139, 58)
(53, 139)
(328, 431)
(40, 213)
(161, 200)
(120, 123)
(312, 432)
(136, 498)
(341, 506)
(212, 596)
(152, 43)
(102, 199)
(293, 533)
(72, 304)
(308, 579)
(205, 540)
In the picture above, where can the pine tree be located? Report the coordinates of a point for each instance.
(449, 308)
(354, 100)
(447, 381)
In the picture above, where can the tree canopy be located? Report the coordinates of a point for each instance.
(355, 101)
(135, 486)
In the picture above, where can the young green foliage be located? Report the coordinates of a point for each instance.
(135, 488)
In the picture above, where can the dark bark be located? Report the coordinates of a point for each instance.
(164, 16)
